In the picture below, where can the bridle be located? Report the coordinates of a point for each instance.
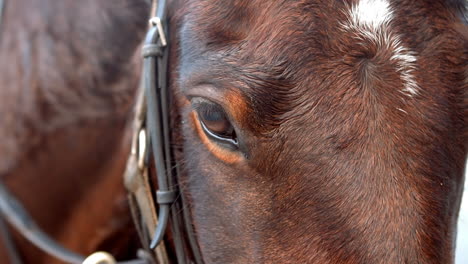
(153, 126)
(151, 138)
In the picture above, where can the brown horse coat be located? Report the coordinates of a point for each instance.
(350, 127)
(68, 75)
(350, 123)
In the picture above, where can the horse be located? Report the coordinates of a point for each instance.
(320, 131)
(67, 85)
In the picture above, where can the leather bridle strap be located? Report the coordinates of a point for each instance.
(155, 72)
(156, 120)
(136, 178)
(16, 215)
(2, 6)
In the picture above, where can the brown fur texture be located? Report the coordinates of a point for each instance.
(67, 80)
(336, 164)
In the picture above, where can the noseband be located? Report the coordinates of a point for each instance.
(151, 145)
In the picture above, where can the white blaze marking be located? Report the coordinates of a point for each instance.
(372, 14)
(406, 64)
(371, 19)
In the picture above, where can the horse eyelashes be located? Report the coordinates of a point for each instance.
(215, 123)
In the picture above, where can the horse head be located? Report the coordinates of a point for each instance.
(321, 131)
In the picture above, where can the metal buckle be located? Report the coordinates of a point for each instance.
(100, 257)
(141, 149)
(156, 21)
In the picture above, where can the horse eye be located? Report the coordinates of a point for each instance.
(216, 124)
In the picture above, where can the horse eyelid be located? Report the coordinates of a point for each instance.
(207, 106)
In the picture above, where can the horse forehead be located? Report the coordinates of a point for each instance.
(220, 23)
(294, 36)
(233, 20)
(275, 32)
(251, 34)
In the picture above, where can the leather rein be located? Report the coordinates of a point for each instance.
(151, 138)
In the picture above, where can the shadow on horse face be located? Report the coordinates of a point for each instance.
(317, 132)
